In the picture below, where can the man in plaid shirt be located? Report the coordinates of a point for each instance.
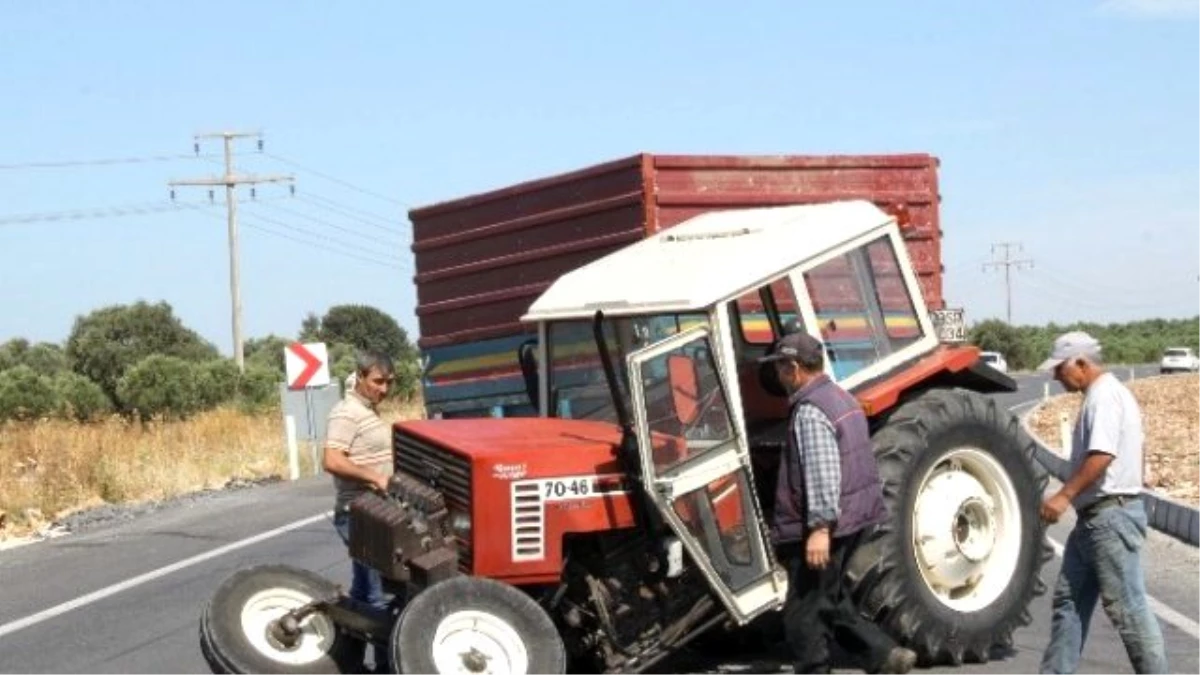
(828, 492)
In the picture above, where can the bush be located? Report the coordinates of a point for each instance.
(216, 382)
(105, 344)
(258, 388)
(26, 395)
(161, 385)
(267, 352)
(44, 358)
(80, 398)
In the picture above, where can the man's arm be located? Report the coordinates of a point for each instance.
(1103, 439)
(1089, 472)
(822, 464)
(336, 462)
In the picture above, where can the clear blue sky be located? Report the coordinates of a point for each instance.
(1069, 126)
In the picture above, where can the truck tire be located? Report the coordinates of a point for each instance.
(473, 624)
(233, 624)
(952, 571)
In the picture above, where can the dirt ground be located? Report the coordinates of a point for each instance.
(1171, 419)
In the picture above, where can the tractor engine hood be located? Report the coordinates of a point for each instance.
(523, 447)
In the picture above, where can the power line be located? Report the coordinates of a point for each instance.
(324, 237)
(324, 246)
(327, 204)
(96, 162)
(335, 226)
(1007, 263)
(335, 179)
(231, 181)
(100, 212)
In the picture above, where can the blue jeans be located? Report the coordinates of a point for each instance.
(1103, 561)
(366, 588)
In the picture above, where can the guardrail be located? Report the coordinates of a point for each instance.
(1167, 515)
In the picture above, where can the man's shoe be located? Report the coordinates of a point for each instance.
(899, 660)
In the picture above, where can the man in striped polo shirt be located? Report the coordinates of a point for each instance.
(358, 454)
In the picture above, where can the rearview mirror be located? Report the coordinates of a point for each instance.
(685, 387)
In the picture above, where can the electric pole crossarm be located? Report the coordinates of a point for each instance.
(246, 179)
(1008, 262)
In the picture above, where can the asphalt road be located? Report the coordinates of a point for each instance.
(126, 598)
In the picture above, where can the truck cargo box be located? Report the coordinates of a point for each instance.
(482, 260)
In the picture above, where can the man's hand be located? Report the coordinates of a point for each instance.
(379, 482)
(1054, 507)
(816, 551)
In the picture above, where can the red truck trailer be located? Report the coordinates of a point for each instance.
(482, 259)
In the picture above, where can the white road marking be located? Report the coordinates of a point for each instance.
(1164, 612)
(84, 600)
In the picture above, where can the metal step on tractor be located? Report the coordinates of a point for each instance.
(630, 517)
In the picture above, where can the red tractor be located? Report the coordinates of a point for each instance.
(629, 518)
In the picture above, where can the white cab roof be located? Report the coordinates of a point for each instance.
(707, 259)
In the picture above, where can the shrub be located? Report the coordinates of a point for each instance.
(80, 398)
(216, 382)
(26, 395)
(258, 388)
(105, 344)
(161, 385)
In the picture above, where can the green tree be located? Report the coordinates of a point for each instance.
(106, 343)
(362, 327)
(216, 382)
(161, 385)
(997, 336)
(45, 358)
(80, 398)
(258, 388)
(267, 352)
(26, 395)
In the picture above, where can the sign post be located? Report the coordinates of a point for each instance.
(307, 367)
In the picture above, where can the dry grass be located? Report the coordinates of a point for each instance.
(1171, 418)
(51, 468)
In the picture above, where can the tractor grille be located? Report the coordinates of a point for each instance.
(441, 469)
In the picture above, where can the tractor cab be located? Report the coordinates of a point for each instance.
(683, 316)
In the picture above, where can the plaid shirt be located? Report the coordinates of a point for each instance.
(821, 461)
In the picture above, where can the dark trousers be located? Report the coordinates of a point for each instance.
(819, 611)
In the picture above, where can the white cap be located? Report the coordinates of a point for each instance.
(1071, 345)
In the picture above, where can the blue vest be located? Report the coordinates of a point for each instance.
(861, 501)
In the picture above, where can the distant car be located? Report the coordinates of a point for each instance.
(1179, 360)
(995, 360)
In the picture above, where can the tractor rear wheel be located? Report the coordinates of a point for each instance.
(236, 633)
(475, 625)
(952, 571)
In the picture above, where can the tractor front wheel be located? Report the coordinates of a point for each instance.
(476, 625)
(952, 572)
(238, 632)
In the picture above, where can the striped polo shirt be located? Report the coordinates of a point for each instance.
(356, 429)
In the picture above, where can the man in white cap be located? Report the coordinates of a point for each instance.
(1103, 555)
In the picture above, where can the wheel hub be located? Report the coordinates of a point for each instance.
(271, 628)
(478, 642)
(961, 535)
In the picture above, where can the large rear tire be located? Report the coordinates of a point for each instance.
(233, 626)
(953, 570)
(474, 625)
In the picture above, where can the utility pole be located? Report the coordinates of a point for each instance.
(231, 180)
(1008, 262)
